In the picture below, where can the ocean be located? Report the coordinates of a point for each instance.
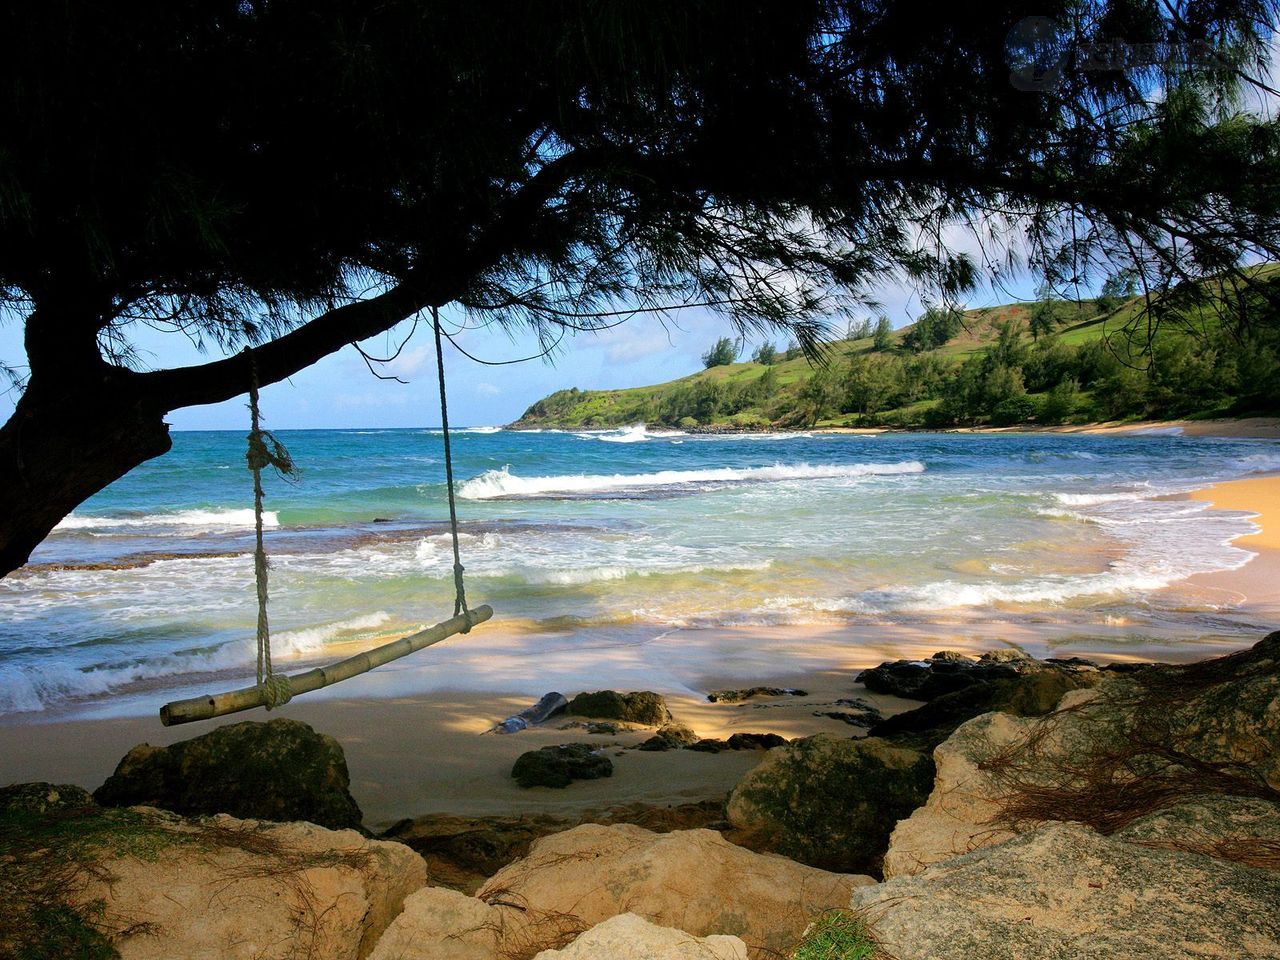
(147, 589)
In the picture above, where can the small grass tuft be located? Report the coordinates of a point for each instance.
(837, 935)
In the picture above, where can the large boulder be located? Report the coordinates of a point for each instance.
(280, 770)
(946, 672)
(1172, 732)
(628, 937)
(228, 889)
(692, 880)
(464, 852)
(643, 707)
(442, 924)
(1064, 890)
(828, 802)
(558, 766)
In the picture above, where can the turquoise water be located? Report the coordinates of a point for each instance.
(149, 584)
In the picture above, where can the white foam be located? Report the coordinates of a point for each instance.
(186, 519)
(313, 639)
(636, 433)
(502, 483)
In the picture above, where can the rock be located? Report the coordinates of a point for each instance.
(709, 745)
(829, 802)
(1203, 728)
(756, 741)
(558, 766)
(644, 707)
(737, 696)
(442, 924)
(1064, 890)
(962, 807)
(855, 718)
(670, 737)
(628, 937)
(229, 889)
(693, 880)
(36, 798)
(946, 672)
(463, 852)
(1031, 695)
(1245, 830)
(279, 770)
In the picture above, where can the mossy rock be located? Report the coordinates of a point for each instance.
(643, 707)
(829, 802)
(281, 770)
(43, 797)
(673, 736)
(559, 766)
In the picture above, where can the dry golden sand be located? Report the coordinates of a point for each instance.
(1260, 496)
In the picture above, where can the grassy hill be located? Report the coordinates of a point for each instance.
(1199, 360)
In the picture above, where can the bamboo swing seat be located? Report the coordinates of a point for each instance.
(275, 689)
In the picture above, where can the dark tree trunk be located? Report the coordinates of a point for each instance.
(67, 440)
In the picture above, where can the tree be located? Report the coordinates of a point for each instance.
(1119, 286)
(860, 330)
(721, 355)
(882, 339)
(766, 354)
(294, 177)
(935, 327)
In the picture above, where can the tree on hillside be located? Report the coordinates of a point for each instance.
(293, 177)
(935, 327)
(766, 354)
(882, 338)
(721, 355)
(1118, 288)
(1044, 315)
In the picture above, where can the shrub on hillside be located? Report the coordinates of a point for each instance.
(1014, 410)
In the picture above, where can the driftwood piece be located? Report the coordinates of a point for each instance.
(233, 701)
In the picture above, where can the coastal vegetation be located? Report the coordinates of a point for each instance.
(1049, 362)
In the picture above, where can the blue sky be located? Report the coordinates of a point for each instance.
(339, 391)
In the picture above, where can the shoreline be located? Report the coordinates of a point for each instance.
(419, 744)
(423, 753)
(1242, 428)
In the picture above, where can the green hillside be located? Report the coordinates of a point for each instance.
(1092, 360)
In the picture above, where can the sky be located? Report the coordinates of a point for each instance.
(340, 392)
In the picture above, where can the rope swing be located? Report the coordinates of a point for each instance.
(275, 689)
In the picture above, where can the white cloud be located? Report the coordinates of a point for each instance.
(487, 389)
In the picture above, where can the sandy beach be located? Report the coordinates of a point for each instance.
(434, 753)
(417, 733)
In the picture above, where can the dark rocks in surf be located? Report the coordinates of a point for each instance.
(558, 766)
(643, 707)
(280, 770)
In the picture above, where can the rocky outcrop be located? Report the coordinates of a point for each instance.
(1065, 890)
(279, 770)
(228, 889)
(441, 924)
(692, 880)
(948, 671)
(559, 766)
(643, 707)
(1136, 744)
(628, 937)
(962, 808)
(828, 802)
(463, 852)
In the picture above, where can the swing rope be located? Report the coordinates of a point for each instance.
(264, 451)
(460, 592)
